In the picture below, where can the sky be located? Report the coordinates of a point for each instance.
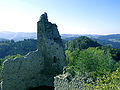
(71, 16)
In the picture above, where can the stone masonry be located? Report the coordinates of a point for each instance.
(67, 82)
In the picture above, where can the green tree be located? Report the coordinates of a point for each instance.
(92, 60)
(81, 43)
(109, 81)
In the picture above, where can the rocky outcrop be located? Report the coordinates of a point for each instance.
(37, 68)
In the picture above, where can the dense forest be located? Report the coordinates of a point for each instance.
(81, 43)
(10, 47)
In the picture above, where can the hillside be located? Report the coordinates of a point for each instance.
(112, 40)
(108, 43)
(2, 39)
(81, 43)
(112, 37)
(20, 47)
(17, 36)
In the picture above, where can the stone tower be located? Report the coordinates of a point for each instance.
(51, 46)
(39, 67)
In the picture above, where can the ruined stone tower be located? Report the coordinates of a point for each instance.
(39, 67)
(51, 46)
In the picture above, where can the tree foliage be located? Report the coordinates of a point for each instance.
(91, 60)
(108, 81)
(100, 63)
(115, 53)
(21, 47)
(81, 43)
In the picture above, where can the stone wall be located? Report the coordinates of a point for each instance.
(22, 73)
(39, 67)
(67, 82)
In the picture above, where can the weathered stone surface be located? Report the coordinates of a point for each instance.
(66, 82)
(37, 68)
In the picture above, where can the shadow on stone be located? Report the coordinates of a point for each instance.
(42, 88)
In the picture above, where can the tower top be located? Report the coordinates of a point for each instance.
(44, 17)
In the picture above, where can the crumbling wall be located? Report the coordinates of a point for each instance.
(67, 82)
(39, 67)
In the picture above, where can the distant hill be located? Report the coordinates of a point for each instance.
(20, 47)
(112, 37)
(73, 36)
(7, 34)
(82, 42)
(112, 40)
(108, 43)
(2, 39)
(18, 36)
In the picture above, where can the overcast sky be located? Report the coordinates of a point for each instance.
(71, 16)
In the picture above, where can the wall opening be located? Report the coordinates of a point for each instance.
(54, 60)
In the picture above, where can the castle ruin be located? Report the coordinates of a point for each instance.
(37, 68)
